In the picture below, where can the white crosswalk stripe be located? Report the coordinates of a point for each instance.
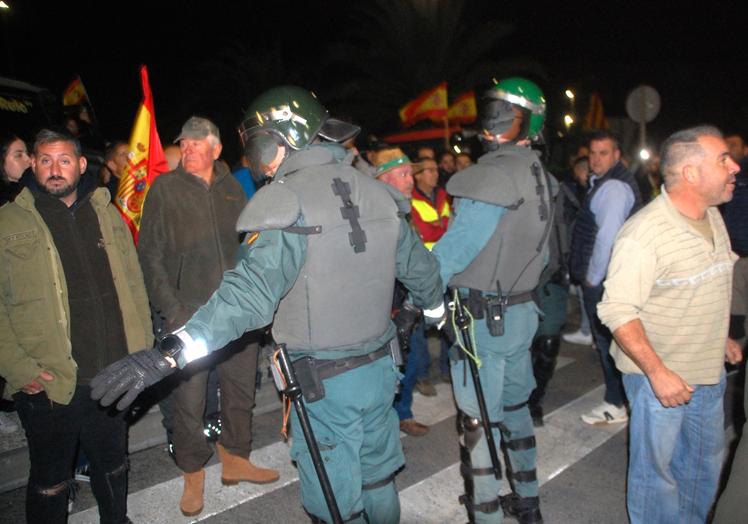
(563, 440)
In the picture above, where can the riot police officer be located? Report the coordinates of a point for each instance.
(325, 246)
(492, 257)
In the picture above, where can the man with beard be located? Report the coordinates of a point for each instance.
(73, 301)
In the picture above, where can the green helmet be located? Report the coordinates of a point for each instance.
(287, 116)
(525, 94)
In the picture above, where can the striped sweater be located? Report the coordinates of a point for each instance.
(678, 283)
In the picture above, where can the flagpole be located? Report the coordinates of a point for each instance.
(446, 133)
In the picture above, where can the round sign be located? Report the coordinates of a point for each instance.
(643, 104)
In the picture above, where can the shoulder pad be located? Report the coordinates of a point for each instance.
(489, 183)
(274, 206)
(403, 202)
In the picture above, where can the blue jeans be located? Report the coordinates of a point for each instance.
(416, 368)
(675, 454)
(601, 335)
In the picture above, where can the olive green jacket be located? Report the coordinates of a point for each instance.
(35, 314)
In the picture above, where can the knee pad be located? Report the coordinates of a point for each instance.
(471, 432)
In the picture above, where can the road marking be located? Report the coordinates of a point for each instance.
(562, 441)
(159, 504)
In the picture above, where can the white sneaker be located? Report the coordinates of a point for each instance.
(605, 414)
(7, 425)
(578, 338)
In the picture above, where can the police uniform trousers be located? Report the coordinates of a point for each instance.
(507, 380)
(358, 434)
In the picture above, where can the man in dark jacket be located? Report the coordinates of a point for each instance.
(73, 302)
(187, 241)
(612, 196)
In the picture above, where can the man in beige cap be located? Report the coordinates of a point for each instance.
(187, 241)
(393, 167)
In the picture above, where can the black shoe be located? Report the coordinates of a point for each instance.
(536, 412)
(212, 429)
(525, 509)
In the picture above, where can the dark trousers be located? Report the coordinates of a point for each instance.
(237, 367)
(54, 432)
(614, 393)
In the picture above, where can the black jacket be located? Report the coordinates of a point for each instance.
(187, 240)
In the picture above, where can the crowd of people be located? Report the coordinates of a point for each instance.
(351, 261)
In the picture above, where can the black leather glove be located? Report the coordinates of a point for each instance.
(405, 320)
(129, 376)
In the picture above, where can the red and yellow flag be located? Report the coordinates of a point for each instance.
(429, 105)
(463, 110)
(595, 117)
(145, 161)
(75, 93)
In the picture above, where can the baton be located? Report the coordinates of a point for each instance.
(292, 390)
(463, 323)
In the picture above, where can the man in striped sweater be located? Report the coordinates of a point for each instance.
(667, 302)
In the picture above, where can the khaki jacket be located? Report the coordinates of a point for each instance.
(35, 314)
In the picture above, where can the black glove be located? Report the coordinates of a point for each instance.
(129, 376)
(405, 320)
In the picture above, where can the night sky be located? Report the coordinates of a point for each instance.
(212, 58)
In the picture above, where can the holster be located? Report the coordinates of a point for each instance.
(493, 308)
(311, 372)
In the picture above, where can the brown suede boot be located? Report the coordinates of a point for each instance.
(192, 497)
(238, 469)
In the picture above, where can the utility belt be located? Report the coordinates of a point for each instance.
(493, 307)
(310, 371)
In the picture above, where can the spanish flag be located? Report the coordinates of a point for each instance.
(429, 105)
(75, 93)
(595, 117)
(463, 110)
(145, 161)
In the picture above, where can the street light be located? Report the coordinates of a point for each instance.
(569, 94)
(4, 10)
(568, 120)
(644, 154)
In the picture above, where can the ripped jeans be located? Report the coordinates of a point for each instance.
(54, 432)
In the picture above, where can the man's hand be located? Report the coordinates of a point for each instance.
(669, 388)
(129, 376)
(733, 351)
(37, 385)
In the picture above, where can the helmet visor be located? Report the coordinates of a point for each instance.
(339, 131)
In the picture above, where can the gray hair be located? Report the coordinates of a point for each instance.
(49, 136)
(682, 146)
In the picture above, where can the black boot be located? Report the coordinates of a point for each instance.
(544, 355)
(525, 509)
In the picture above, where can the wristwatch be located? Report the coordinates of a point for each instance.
(170, 346)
